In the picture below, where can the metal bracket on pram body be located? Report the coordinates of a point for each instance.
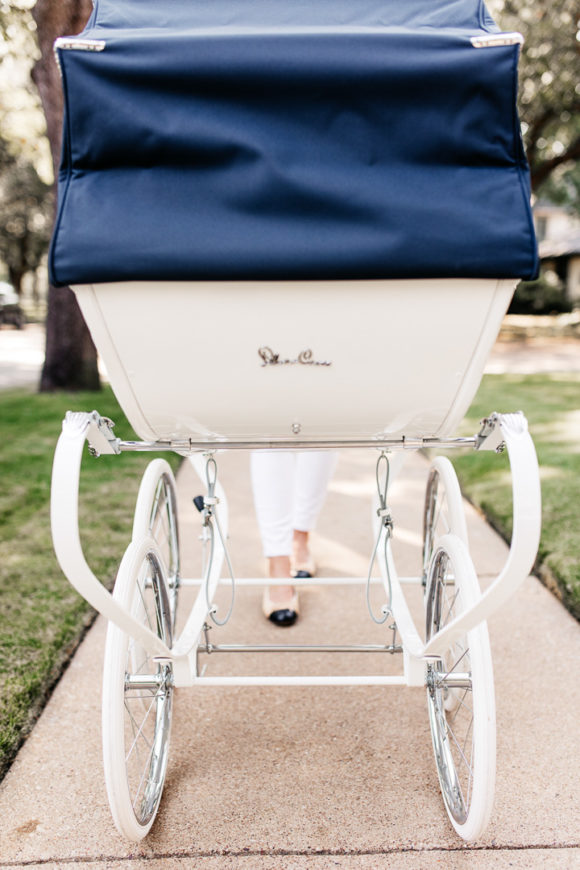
(99, 434)
(490, 436)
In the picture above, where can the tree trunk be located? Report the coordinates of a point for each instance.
(35, 288)
(15, 276)
(71, 357)
(69, 364)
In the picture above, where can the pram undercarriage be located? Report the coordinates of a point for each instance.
(144, 663)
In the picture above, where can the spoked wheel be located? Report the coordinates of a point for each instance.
(137, 696)
(460, 694)
(443, 513)
(156, 517)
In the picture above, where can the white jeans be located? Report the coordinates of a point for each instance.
(289, 491)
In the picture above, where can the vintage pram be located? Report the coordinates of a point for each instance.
(292, 226)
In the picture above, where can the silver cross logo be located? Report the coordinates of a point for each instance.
(304, 358)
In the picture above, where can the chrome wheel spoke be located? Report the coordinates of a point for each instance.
(145, 776)
(137, 728)
(460, 748)
(460, 701)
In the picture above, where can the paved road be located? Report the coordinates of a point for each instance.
(535, 355)
(21, 356)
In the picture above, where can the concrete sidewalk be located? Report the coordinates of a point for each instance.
(21, 356)
(316, 777)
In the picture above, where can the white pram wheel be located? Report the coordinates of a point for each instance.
(443, 513)
(460, 694)
(137, 695)
(156, 516)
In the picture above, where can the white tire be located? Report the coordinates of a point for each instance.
(462, 717)
(156, 517)
(443, 513)
(136, 719)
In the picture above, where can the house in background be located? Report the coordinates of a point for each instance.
(558, 232)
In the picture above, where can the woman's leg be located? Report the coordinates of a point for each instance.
(272, 473)
(313, 472)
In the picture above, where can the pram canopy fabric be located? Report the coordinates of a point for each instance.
(276, 140)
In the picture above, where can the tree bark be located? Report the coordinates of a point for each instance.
(71, 357)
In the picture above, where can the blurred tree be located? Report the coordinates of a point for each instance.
(562, 187)
(71, 357)
(549, 98)
(22, 122)
(26, 209)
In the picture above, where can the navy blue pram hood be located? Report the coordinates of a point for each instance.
(311, 139)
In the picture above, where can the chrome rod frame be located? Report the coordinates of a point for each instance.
(189, 446)
(453, 681)
(152, 682)
(210, 648)
(300, 681)
(299, 581)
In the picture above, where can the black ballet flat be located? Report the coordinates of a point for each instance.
(303, 570)
(283, 617)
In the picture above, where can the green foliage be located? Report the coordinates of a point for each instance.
(26, 204)
(563, 187)
(15, 23)
(26, 207)
(547, 295)
(549, 74)
(41, 617)
(18, 52)
(550, 403)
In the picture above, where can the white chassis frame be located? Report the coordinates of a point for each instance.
(498, 430)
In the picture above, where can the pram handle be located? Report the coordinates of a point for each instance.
(76, 429)
(527, 514)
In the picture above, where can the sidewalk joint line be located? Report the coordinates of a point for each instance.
(294, 853)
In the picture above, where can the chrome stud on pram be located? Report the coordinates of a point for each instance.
(304, 236)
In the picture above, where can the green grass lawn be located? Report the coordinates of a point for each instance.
(42, 618)
(552, 405)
